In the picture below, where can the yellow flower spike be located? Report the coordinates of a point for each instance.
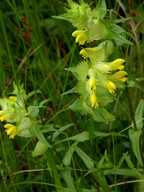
(3, 117)
(117, 64)
(81, 37)
(110, 86)
(11, 130)
(92, 84)
(84, 53)
(93, 100)
(13, 98)
(119, 76)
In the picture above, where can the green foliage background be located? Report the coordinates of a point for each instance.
(85, 155)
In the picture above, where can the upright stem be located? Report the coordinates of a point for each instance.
(131, 109)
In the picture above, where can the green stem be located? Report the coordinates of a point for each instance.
(114, 161)
(131, 109)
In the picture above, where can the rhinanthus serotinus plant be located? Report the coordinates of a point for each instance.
(20, 120)
(97, 76)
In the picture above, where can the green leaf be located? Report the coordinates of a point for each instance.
(69, 180)
(47, 128)
(59, 131)
(131, 83)
(81, 137)
(124, 172)
(103, 115)
(51, 163)
(129, 162)
(80, 71)
(34, 129)
(77, 106)
(122, 160)
(100, 10)
(104, 162)
(85, 158)
(43, 102)
(91, 111)
(98, 112)
(68, 156)
(40, 149)
(84, 136)
(134, 138)
(81, 88)
(100, 178)
(123, 20)
(139, 114)
(89, 190)
(32, 93)
(33, 111)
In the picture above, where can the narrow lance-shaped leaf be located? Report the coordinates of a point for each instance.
(85, 158)
(134, 138)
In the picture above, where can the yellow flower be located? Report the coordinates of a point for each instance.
(92, 84)
(110, 86)
(93, 100)
(81, 37)
(117, 64)
(13, 98)
(119, 76)
(84, 53)
(11, 130)
(3, 117)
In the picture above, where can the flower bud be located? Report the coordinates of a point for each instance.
(11, 130)
(3, 117)
(93, 100)
(110, 86)
(117, 64)
(84, 53)
(13, 98)
(92, 84)
(119, 76)
(81, 37)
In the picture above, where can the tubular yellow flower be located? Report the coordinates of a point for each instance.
(93, 100)
(11, 130)
(119, 76)
(13, 98)
(3, 117)
(81, 37)
(117, 64)
(110, 86)
(92, 84)
(84, 53)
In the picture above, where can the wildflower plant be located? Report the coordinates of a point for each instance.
(97, 75)
(20, 119)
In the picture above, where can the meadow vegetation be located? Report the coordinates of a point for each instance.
(71, 118)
